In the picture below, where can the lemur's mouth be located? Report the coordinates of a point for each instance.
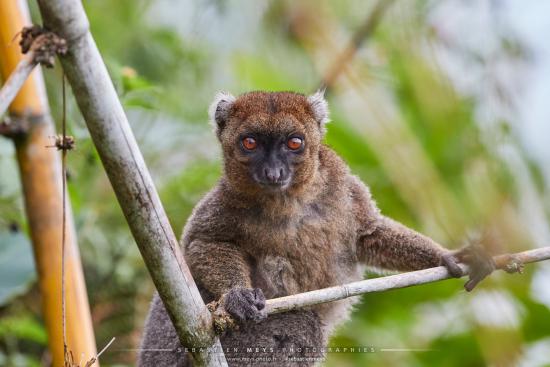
(274, 185)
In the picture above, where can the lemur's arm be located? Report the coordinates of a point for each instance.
(385, 243)
(395, 247)
(223, 270)
(218, 266)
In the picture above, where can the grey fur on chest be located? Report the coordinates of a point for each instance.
(300, 253)
(276, 276)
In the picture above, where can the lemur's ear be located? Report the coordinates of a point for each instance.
(319, 108)
(219, 110)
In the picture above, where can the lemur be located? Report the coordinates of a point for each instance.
(287, 216)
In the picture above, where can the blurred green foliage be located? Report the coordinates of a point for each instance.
(16, 263)
(168, 59)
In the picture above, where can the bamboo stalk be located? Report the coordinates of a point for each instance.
(288, 303)
(15, 81)
(40, 171)
(133, 186)
(139, 200)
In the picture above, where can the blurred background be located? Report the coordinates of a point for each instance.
(442, 107)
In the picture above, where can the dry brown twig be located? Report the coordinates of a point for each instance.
(65, 143)
(70, 362)
(358, 38)
(43, 44)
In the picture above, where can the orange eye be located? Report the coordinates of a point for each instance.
(249, 143)
(294, 143)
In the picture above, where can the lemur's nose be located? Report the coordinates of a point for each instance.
(273, 174)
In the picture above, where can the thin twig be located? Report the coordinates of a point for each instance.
(93, 360)
(64, 221)
(105, 348)
(15, 81)
(64, 143)
(508, 262)
(358, 38)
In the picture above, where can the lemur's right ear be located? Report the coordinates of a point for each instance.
(219, 110)
(319, 108)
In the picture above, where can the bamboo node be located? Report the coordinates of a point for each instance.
(14, 127)
(43, 43)
(513, 265)
(221, 319)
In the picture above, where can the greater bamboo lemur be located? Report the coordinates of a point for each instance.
(287, 216)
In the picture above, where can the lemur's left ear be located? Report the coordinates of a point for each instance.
(319, 107)
(219, 110)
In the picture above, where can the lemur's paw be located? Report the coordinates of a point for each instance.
(449, 261)
(245, 304)
(479, 261)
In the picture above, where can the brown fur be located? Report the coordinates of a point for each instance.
(323, 230)
(269, 113)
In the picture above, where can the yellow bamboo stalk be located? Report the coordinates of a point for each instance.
(40, 170)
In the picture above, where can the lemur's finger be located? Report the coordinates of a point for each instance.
(449, 261)
(479, 270)
(474, 280)
(259, 299)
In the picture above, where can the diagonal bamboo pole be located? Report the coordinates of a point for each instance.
(15, 81)
(133, 186)
(41, 180)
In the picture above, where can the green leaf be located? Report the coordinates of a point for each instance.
(23, 327)
(16, 265)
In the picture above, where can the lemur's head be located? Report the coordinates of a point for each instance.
(270, 140)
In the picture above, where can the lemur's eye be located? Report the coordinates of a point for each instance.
(249, 143)
(294, 143)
